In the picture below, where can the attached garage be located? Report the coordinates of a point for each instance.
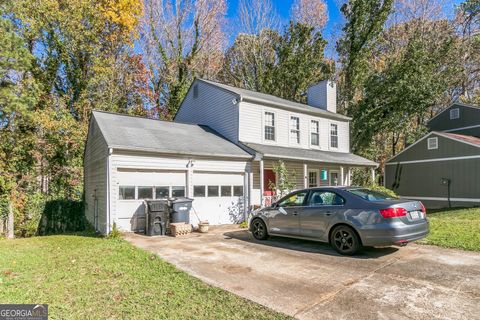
(159, 159)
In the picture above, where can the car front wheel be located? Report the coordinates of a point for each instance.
(345, 240)
(259, 229)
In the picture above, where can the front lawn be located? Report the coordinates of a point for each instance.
(83, 277)
(454, 228)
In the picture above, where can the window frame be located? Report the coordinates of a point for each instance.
(134, 193)
(317, 133)
(317, 172)
(208, 191)
(454, 113)
(226, 186)
(238, 186)
(264, 126)
(204, 191)
(436, 143)
(331, 135)
(152, 189)
(184, 191)
(155, 191)
(291, 131)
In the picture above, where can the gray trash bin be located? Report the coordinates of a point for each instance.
(157, 217)
(180, 210)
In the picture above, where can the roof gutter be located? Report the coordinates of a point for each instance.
(289, 107)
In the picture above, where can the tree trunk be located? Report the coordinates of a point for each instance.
(10, 234)
(2, 225)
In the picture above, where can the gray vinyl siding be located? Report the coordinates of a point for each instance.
(469, 116)
(446, 148)
(95, 175)
(423, 179)
(213, 107)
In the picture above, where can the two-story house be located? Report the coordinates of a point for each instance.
(220, 151)
(443, 167)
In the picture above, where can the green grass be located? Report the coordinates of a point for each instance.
(454, 228)
(83, 277)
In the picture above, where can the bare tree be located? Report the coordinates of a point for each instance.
(310, 12)
(256, 16)
(181, 39)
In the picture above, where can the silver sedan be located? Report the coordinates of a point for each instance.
(346, 217)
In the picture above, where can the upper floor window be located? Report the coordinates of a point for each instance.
(270, 126)
(314, 136)
(294, 130)
(454, 113)
(333, 135)
(432, 143)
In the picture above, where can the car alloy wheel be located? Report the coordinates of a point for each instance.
(259, 230)
(345, 240)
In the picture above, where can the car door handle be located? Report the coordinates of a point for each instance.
(295, 213)
(328, 213)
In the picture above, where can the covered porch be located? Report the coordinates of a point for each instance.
(306, 168)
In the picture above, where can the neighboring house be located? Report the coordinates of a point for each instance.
(220, 151)
(442, 168)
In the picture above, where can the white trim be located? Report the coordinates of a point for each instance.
(317, 172)
(453, 104)
(462, 128)
(434, 160)
(310, 133)
(454, 116)
(442, 199)
(434, 145)
(330, 136)
(456, 139)
(275, 126)
(290, 116)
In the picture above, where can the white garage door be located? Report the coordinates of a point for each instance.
(218, 197)
(136, 186)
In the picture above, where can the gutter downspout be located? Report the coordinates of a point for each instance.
(109, 221)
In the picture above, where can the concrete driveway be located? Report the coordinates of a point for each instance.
(309, 280)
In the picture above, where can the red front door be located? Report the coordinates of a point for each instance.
(268, 176)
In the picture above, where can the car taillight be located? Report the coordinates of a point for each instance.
(424, 210)
(393, 212)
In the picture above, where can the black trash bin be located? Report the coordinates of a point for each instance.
(180, 210)
(157, 217)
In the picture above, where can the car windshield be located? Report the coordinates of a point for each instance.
(371, 195)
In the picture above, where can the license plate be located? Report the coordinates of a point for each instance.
(415, 215)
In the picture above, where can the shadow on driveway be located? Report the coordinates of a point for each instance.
(307, 245)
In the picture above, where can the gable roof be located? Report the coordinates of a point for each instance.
(470, 140)
(310, 155)
(133, 133)
(462, 138)
(458, 104)
(271, 100)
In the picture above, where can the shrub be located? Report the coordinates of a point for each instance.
(115, 233)
(382, 189)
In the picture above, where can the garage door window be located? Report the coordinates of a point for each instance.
(161, 192)
(126, 193)
(145, 193)
(199, 191)
(178, 191)
(238, 191)
(226, 191)
(212, 191)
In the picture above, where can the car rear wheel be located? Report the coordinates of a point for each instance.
(345, 240)
(259, 229)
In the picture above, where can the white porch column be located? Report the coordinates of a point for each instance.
(373, 174)
(261, 183)
(250, 189)
(349, 176)
(305, 175)
(342, 176)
